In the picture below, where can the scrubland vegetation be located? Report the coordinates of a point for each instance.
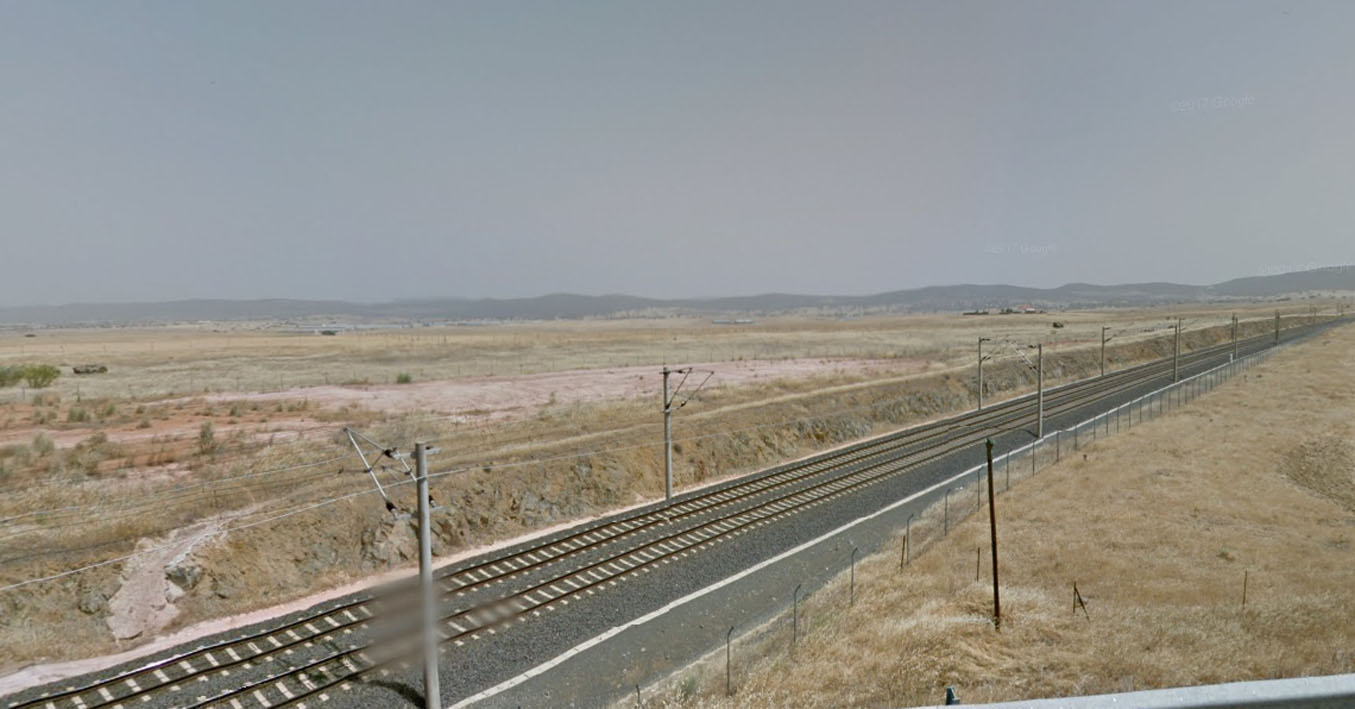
(34, 376)
(91, 473)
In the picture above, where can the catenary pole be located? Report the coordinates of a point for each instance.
(1039, 376)
(981, 341)
(1176, 354)
(1234, 336)
(432, 692)
(1103, 349)
(667, 439)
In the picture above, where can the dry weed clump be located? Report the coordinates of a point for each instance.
(1157, 526)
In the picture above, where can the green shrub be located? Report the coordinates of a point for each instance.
(77, 415)
(40, 376)
(9, 376)
(403, 378)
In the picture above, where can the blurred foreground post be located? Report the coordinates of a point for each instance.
(432, 692)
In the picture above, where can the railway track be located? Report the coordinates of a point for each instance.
(487, 595)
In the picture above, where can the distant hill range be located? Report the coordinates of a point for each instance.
(571, 306)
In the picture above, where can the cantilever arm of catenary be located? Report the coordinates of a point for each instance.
(391, 453)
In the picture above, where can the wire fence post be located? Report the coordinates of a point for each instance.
(945, 515)
(907, 542)
(851, 599)
(729, 673)
(795, 618)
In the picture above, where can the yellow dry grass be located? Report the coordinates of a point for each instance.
(1157, 526)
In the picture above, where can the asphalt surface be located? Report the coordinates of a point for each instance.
(640, 655)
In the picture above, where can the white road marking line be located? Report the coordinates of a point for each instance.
(677, 603)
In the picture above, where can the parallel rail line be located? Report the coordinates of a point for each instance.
(694, 521)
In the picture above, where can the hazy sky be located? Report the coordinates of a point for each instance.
(366, 151)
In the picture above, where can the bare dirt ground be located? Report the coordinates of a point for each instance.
(478, 400)
(144, 601)
(509, 397)
(1159, 527)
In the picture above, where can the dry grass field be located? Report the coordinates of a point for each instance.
(1158, 527)
(220, 448)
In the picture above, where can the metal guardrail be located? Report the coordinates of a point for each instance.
(1328, 692)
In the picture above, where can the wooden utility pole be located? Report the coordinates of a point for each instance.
(992, 526)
